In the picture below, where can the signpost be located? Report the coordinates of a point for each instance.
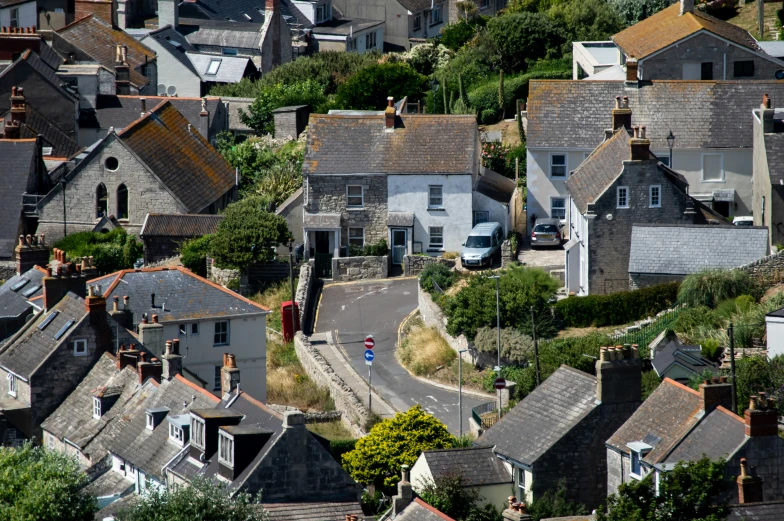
(499, 384)
(369, 356)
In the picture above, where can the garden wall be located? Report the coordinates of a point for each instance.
(304, 287)
(359, 268)
(414, 264)
(768, 269)
(354, 414)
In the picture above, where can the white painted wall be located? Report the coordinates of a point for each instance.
(499, 212)
(172, 72)
(775, 330)
(542, 187)
(361, 40)
(27, 15)
(577, 265)
(410, 193)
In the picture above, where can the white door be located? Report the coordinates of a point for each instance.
(692, 71)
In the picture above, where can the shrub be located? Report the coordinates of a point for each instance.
(368, 89)
(259, 115)
(339, 447)
(193, 254)
(427, 58)
(515, 346)
(451, 494)
(587, 20)
(424, 351)
(455, 35)
(711, 349)
(632, 11)
(554, 503)
(523, 38)
(113, 251)
(690, 318)
(439, 273)
(616, 308)
(707, 288)
(650, 381)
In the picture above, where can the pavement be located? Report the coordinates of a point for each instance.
(550, 257)
(353, 311)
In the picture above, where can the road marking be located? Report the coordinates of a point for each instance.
(432, 398)
(406, 293)
(343, 307)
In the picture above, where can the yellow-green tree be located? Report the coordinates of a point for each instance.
(377, 458)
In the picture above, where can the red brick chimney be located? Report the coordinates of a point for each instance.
(749, 486)
(63, 278)
(95, 305)
(621, 114)
(18, 105)
(716, 392)
(151, 369)
(640, 145)
(11, 129)
(31, 251)
(389, 114)
(126, 357)
(762, 417)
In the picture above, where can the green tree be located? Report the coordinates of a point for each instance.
(113, 251)
(203, 499)
(523, 38)
(587, 20)
(259, 116)
(369, 88)
(690, 492)
(193, 254)
(553, 503)
(633, 11)
(450, 494)
(394, 442)
(40, 484)
(456, 35)
(248, 234)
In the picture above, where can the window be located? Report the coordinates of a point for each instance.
(183, 329)
(175, 433)
(11, 384)
(356, 237)
(226, 450)
(197, 432)
(228, 51)
(80, 347)
(417, 22)
(370, 40)
(436, 237)
(622, 194)
(195, 328)
(744, 69)
(216, 385)
(436, 199)
(636, 470)
(713, 167)
(435, 15)
(762, 210)
(558, 208)
(122, 202)
(14, 17)
(221, 333)
(323, 13)
(654, 196)
(355, 196)
(706, 71)
(96, 407)
(352, 44)
(101, 201)
(558, 165)
(481, 217)
(150, 422)
(213, 67)
(521, 481)
(665, 160)
(111, 164)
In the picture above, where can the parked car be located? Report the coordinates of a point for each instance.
(743, 221)
(547, 232)
(482, 245)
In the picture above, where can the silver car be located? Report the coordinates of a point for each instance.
(483, 245)
(547, 232)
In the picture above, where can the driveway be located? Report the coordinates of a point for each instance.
(548, 258)
(356, 310)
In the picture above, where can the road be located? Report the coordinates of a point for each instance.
(354, 311)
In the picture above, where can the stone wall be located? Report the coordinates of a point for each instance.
(414, 264)
(7, 269)
(769, 270)
(304, 287)
(432, 316)
(222, 276)
(359, 268)
(354, 413)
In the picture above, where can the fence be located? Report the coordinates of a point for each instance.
(482, 416)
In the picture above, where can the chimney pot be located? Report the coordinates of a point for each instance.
(750, 486)
(155, 319)
(389, 114)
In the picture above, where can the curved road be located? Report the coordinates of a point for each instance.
(356, 310)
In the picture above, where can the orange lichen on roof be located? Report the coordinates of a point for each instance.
(668, 26)
(197, 388)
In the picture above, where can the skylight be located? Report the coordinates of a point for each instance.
(19, 285)
(213, 67)
(48, 320)
(63, 329)
(32, 290)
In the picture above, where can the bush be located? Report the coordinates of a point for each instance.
(113, 251)
(456, 35)
(515, 346)
(378, 249)
(259, 116)
(587, 20)
(523, 38)
(424, 351)
(439, 273)
(616, 308)
(709, 287)
(193, 254)
(650, 381)
(711, 349)
(691, 318)
(553, 504)
(368, 89)
(632, 11)
(339, 447)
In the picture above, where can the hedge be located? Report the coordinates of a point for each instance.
(617, 308)
(339, 447)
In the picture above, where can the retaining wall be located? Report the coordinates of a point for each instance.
(414, 264)
(432, 316)
(768, 269)
(358, 268)
(304, 287)
(354, 414)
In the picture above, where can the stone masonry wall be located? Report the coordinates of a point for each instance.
(355, 414)
(359, 268)
(304, 286)
(414, 264)
(768, 269)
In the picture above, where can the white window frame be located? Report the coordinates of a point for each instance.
(150, 425)
(658, 189)
(439, 205)
(12, 385)
(197, 432)
(625, 190)
(483, 213)
(227, 341)
(355, 237)
(638, 456)
(553, 208)
(176, 434)
(225, 449)
(217, 63)
(521, 480)
(431, 233)
(565, 166)
(80, 347)
(96, 407)
(349, 197)
(702, 169)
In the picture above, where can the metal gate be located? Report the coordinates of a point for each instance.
(323, 265)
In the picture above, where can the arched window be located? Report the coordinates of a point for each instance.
(101, 201)
(122, 202)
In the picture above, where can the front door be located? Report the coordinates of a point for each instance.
(399, 243)
(323, 255)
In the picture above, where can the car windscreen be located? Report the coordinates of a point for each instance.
(744, 223)
(546, 228)
(478, 241)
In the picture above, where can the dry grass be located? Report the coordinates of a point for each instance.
(459, 284)
(747, 19)
(331, 430)
(571, 332)
(288, 384)
(272, 297)
(424, 350)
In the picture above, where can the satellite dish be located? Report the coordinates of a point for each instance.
(161, 89)
(780, 75)
(609, 217)
(171, 90)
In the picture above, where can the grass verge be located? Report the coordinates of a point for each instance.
(333, 431)
(424, 350)
(288, 384)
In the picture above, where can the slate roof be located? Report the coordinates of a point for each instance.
(718, 435)
(416, 6)
(345, 26)
(418, 510)
(420, 144)
(175, 43)
(689, 357)
(186, 295)
(182, 159)
(179, 225)
(37, 124)
(19, 157)
(701, 114)
(543, 417)
(33, 346)
(99, 40)
(314, 511)
(661, 421)
(230, 70)
(109, 483)
(225, 10)
(222, 33)
(768, 511)
(479, 466)
(15, 302)
(684, 249)
(121, 111)
(668, 26)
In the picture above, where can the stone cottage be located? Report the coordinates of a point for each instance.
(769, 169)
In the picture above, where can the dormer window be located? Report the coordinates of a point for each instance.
(179, 429)
(150, 421)
(226, 450)
(637, 452)
(197, 432)
(96, 407)
(155, 417)
(11, 384)
(175, 433)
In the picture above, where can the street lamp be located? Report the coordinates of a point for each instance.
(670, 143)
(65, 226)
(460, 387)
(498, 330)
(434, 84)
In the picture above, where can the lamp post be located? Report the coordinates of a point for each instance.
(498, 331)
(65, 226)
(460, 387)
(670, 143)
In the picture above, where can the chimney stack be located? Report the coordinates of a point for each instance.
(631, 70)
(230, 375)
(766, 115)
(122, 71)
(405, 492)
(152, 369)
(640, 145)
(389, 114)
(18, 105)
(168, 13)
(11, 129)
(172, 360)
(123, 316)
(716, 392)
(204, 120)
(762, 417)
(29, 254)
(95, 305)
(749, 485)
(687, 6)
(293, 419)
(61, 281)
(151, 336)
(126, 357)
(619, 375)
(621, 114)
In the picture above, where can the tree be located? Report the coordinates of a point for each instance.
(553, 503)
(369, 88)
(523, 38)
(248, 234)
(690, 492)
(203, 499)
(113, 251)
(633, 11)
(193, 254)
(40, 484)
(587, 20)
(303, 92)
(449, 494)
(394, 442)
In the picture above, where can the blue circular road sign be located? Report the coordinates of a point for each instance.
(369, 356)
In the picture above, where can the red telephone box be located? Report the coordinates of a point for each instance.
(285, 314)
